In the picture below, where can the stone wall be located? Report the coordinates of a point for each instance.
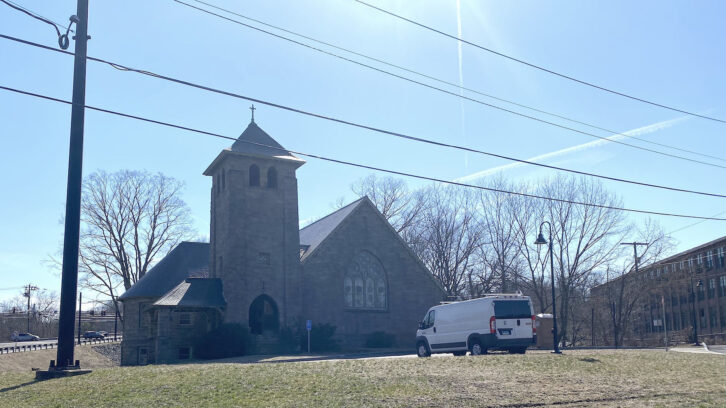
(171, 334)
(411, 289)
(136, 331)
(254, 236)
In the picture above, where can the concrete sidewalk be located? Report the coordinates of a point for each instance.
(703, 349)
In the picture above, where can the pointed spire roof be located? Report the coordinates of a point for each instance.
(255, 141)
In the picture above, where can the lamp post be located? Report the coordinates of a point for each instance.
(542, 241)
(693, 305)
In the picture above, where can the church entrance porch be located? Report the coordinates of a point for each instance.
(264, 317)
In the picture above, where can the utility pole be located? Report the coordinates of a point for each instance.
(637, 260)
(28, 290)
(71, 237)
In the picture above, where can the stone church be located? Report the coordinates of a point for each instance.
(349, 269)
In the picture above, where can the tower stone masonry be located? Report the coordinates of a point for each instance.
(255, 245)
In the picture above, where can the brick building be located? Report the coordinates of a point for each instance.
(349, 269)
(691, 285)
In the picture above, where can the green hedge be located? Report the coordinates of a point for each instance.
(228, 340)
(321, 338)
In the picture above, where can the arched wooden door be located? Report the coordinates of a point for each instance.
(264, 316)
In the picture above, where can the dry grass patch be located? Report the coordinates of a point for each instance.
(22, 362)
(578, 378)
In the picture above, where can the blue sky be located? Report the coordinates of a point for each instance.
(670, 52)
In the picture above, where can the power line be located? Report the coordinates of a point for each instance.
(433, 78)
(364, 166)
(62, 38)
(694, 224)
(34, 14)
(549, 71)
(374, 129)
(478, 101)
(13, 288)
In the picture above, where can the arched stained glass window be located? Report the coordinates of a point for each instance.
(364, 283)
(348, 291)
(359, 292)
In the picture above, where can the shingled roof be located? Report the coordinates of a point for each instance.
(255, 142)
(314, 234)
(195, 292)
(250, 140)
(188, 259)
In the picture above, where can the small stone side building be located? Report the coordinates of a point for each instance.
(349, 269)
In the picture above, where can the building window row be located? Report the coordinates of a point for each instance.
(713, 258)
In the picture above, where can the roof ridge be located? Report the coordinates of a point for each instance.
(334, 212)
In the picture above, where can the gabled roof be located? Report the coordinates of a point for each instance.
(195, 292)
(255, 142)
(188, 259)
(314, 234)
(248, 142)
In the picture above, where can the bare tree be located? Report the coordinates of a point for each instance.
(528, 215)
(620, 298)
(586, 238)
(400, 206)
(16, 303)
(501, 245)
(449, 235)
(129, 220)
(40, 317)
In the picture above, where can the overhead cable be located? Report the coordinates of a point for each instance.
(539, 67)
(62, 38)
(364, 166)
(433, 78)
(608, 139)
(371, 128)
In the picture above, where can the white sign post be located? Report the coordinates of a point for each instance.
(309, 327)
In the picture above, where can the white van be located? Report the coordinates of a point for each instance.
(493, 322)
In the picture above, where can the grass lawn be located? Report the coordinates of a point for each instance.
(578, 378)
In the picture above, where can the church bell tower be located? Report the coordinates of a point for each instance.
(254, 231)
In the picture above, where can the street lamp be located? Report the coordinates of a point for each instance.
(542, 241)
(693, 305)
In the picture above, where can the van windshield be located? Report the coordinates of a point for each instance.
(512, 309)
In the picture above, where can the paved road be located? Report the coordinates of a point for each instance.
(28, 343)
(718, 349)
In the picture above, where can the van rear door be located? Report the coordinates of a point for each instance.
(513, 319)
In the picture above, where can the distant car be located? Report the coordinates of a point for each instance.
(93, 335)
(24, 337)
(104, 332)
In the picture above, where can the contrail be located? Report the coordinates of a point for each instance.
(633, 132)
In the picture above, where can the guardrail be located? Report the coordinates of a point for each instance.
(46, 346)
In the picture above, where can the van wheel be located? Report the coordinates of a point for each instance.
(476, 348)
(460, 353)
(422, 350)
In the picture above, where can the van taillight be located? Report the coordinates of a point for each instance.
(534, 327)
(493, 324)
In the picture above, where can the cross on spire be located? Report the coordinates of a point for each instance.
(252, 108)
